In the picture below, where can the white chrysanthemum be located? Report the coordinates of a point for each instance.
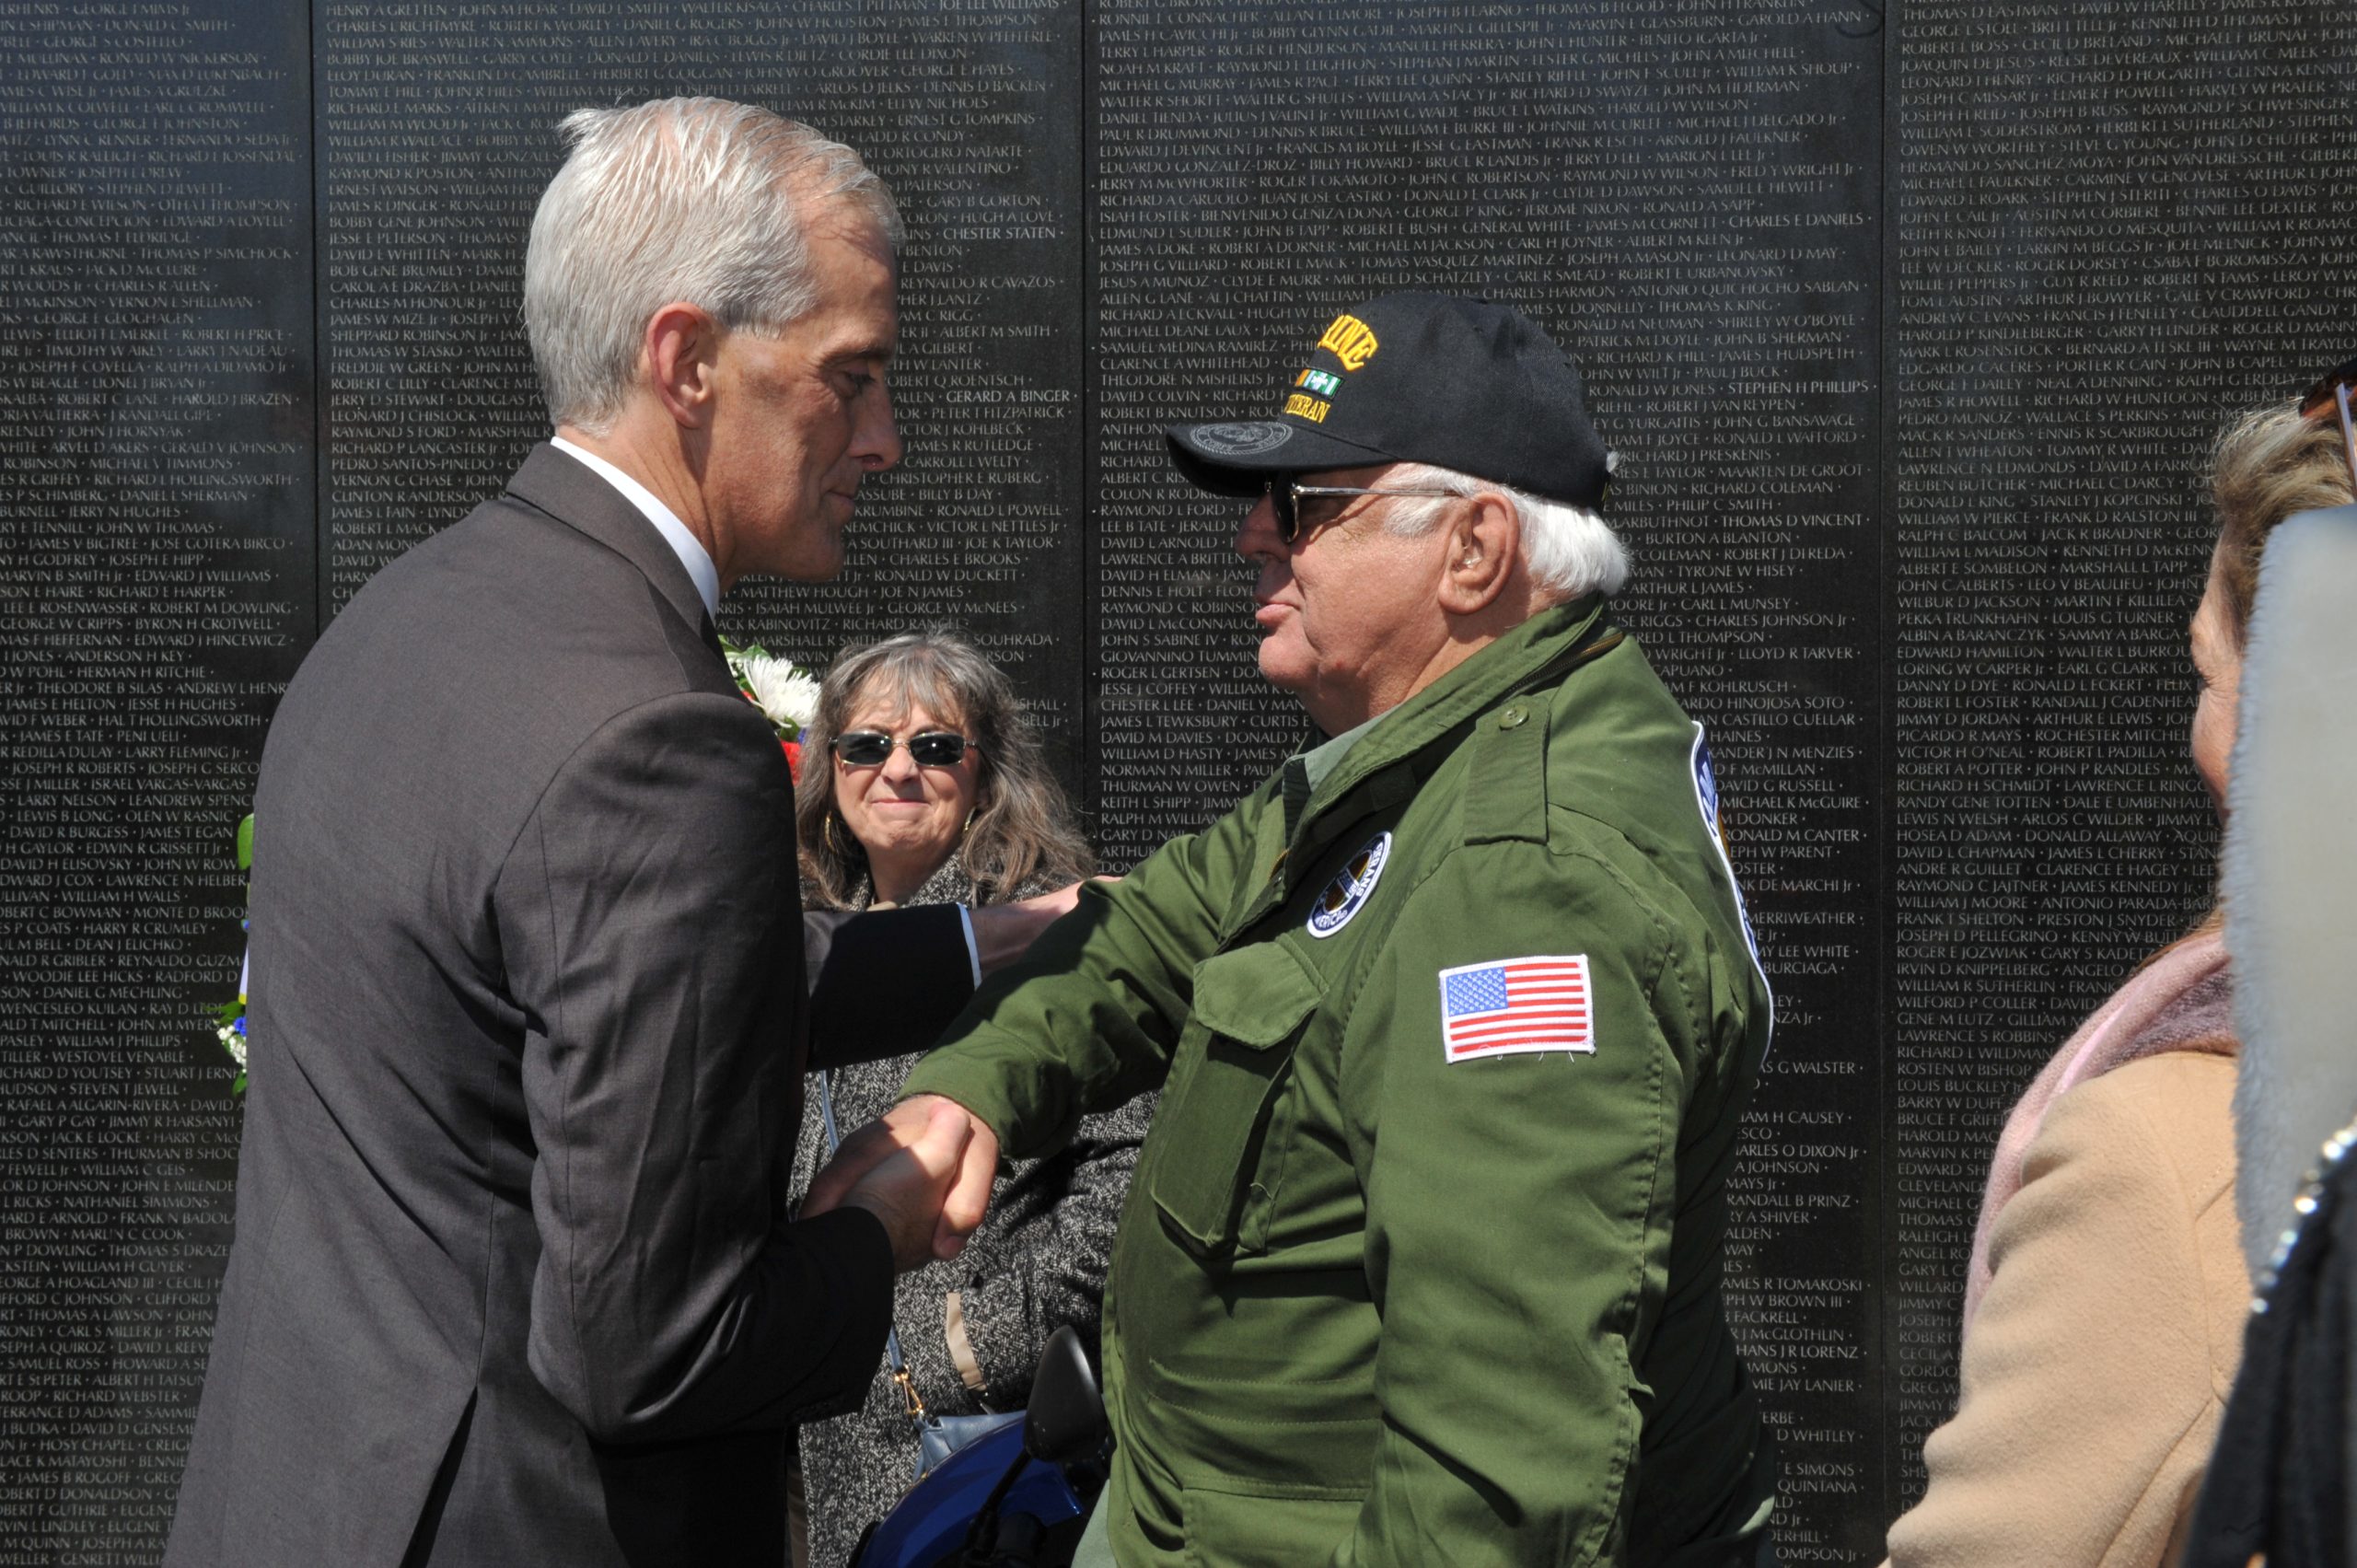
(789, 697)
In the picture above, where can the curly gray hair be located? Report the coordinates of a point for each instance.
(1022, 827)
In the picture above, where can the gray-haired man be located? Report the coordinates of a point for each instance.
(513, 1279)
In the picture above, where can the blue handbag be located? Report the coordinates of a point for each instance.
(938, 1437)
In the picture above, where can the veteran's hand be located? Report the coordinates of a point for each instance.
(903, 1177)
(917, 1128)
(1003, 933)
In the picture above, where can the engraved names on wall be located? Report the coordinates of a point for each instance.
(154, 584)
(2105, 237)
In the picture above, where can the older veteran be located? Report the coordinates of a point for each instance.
(1454, 1019)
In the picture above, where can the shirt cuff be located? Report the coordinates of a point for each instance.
(974, 953)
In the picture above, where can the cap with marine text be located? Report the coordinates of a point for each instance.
(1461, 384)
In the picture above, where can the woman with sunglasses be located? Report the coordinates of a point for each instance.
(925, 786)
(2104, 1310)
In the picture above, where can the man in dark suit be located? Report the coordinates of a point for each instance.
(514, 1281)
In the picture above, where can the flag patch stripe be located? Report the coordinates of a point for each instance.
(1514, 1005)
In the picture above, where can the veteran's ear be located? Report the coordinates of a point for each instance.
(681, 358)
(1483, 540)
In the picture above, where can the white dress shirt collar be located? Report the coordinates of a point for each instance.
(685, 545)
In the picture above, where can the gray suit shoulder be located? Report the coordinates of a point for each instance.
(510, 634)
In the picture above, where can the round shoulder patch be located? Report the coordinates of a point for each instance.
(1350, 889)
(1706, 787)
(1245, 439)
(1706, 798)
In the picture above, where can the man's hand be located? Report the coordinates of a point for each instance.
(902, 1178)
(958, 1154)
(1003, 933)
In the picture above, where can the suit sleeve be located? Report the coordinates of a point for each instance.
(2094, 1379)
(885, 983)
(1088, 1020)
(647, 914)
(1519, 1214)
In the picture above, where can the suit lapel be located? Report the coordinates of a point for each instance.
(576, 496)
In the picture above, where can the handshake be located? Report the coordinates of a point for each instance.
(925, 1169)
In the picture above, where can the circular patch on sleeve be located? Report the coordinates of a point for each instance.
(1706, 798)
(1351, 887)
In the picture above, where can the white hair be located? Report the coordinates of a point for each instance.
(1570, 551)
(681, 198)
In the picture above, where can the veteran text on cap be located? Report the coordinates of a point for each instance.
(1461, 384)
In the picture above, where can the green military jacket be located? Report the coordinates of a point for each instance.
(1422, 1259)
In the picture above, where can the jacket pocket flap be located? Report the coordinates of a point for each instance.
(1230, 1070)
(1256, 997)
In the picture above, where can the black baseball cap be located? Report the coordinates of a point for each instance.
(1462, 384)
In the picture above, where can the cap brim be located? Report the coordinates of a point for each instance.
(1237, 457)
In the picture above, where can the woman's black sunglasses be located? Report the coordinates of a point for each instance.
(933, 749)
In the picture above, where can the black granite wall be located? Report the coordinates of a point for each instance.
(1911, 323)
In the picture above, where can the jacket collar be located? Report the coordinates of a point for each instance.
(1383, 759)
(949, 884)
(1523, 659)
(576, 496)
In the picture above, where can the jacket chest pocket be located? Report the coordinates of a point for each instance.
(1251, 1007)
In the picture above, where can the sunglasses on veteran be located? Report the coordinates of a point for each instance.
(2332, 391)
(931, 749)
(1285, 494)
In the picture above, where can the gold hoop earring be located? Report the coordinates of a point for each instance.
(826, 831)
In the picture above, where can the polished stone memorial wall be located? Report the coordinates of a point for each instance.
(1910, 322)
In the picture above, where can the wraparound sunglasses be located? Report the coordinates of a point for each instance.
(1286, 493)
(931, 749)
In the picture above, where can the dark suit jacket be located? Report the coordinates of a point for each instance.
(513, 1279)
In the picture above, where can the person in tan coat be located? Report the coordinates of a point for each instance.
(2103, 1316)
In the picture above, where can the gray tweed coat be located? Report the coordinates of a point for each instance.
(971, 1329)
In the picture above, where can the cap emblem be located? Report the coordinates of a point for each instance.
(1325, 383)
(1240, 440)
(1351, 341)
(1301, 406)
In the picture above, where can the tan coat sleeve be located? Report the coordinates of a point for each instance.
(2097, 1367)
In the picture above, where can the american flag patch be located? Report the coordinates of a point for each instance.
(1514, 1005)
